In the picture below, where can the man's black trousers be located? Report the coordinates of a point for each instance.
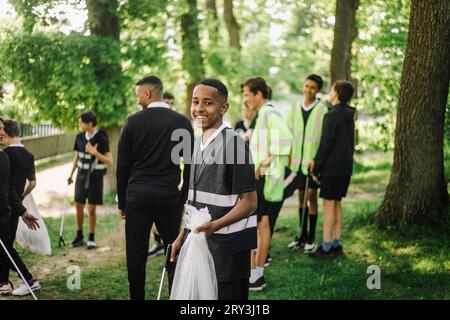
(142, 210)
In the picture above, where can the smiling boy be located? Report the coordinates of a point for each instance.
(222, 179)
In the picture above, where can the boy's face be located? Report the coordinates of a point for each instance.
(252, 100)
(207, 107)
(310, 89)
(333, 96)
(247, 113)
(170, 102)
(2, 132)
(84, 126)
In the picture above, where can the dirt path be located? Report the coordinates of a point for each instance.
(110, 249)
(51, 190)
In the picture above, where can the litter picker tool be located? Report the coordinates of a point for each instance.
(305, 199)
(166, 261)
(61, 242)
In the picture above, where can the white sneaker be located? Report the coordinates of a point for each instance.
(5, 289)
(310, 248)
(91, 245)
(23, 289)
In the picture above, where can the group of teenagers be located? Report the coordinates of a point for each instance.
(242, 175)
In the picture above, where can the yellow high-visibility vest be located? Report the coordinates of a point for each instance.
(306, 140)
(271, 136)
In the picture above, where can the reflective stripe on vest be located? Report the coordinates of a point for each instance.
(218, 200)
(99, 166)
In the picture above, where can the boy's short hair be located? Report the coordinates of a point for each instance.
(168, 95)
(12, 128)
(317, 79)
(2, 121)
(87, 117)
(257, 84)
(270, 94)
(221, 88)
(344, 90)
(151, 80)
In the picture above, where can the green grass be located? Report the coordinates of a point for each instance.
(414, 263)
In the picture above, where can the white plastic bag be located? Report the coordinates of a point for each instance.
(195, 275)
(36, 241)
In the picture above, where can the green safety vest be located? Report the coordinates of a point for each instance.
(271, 136)
(306, 141)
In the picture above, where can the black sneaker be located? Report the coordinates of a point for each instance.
(322, 254)
(268, 261)
(337, 251)
(78, 242)
(258, 285)
(156, 250)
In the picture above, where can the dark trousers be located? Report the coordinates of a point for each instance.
(142, 211)
(233, 290)
(8, 235)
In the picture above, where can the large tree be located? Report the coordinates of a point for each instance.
(104, 23)
(344, 33)
(232, 24)
(417, 190)
(192, 59)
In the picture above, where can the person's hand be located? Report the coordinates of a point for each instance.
(311, 165)
(121, 214)
(92, 150)
(208, 228)
(176, 246)
(70, 180)
(30, 221)
(316, 180)
(266, 162)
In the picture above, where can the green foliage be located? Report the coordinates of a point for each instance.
(377, 66)
(58, 75)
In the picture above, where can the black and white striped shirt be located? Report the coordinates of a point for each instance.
(220, 172)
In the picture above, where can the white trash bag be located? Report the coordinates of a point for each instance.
(195, 275)
(36, 241)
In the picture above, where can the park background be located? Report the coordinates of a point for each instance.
(59, 58)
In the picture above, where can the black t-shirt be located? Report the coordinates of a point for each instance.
(86, 160)
(22, 167)
(306, 115)
(240, 126)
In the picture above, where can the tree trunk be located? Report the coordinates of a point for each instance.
(192, 59)
(104, 22)
(213, 20)
(232, 25)
(344, 33)
(417, 190)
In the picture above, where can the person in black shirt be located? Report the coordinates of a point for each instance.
(158, 247)
(244, 127)
(10, 209)
(92, 158)
(333, 165)
(148, 175)
(21, 160)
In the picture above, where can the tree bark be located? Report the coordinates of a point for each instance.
(213, 20)
(192, 59)
(344, 33)
(104, 22)
(417, 190)
(232, 25)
